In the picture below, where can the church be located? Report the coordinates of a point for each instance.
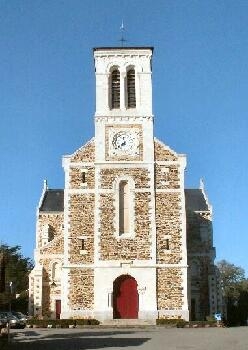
(124, 239)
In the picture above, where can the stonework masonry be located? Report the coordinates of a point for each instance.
(81, 283)
(124, 238)
(81, 227)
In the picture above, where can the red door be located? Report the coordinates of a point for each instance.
(125, 297)
(58, 308)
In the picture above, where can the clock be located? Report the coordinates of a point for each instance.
(123, 141)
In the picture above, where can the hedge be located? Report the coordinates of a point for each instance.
(63, 323)
(179, 323)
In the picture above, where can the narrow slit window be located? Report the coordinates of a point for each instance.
(131, 98)
(83, 177)
(82, 244)
(124, 219)
(167, 244)
(115, 89)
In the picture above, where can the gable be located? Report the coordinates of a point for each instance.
(163, 152)
(86, 153)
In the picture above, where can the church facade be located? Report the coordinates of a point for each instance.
(124, 239)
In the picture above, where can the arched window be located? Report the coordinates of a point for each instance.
(131, 99)
(124, 208)
(56, 271)
(115, 89)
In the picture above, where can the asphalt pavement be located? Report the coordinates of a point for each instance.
(149, 338)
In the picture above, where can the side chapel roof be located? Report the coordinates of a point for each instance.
(195, 200)
(53, 200)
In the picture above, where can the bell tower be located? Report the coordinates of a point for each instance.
(123, 117)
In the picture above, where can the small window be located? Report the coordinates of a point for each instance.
(167, 244)
(115, 89)
(56, 271)
(50, 234)
(131, 99)
(82, 244)
(83, 177)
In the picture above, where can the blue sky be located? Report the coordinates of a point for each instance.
(200, 84)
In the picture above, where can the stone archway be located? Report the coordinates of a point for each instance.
(125, 298)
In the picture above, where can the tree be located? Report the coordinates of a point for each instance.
(231, 277)
(235, 290)
(16, 271)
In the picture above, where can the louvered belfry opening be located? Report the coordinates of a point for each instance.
(131, 100)
(115, 89)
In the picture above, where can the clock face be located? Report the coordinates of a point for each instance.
(123, 141)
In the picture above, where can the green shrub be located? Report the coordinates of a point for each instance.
(179, 323)
(168, 321)
(63, 323)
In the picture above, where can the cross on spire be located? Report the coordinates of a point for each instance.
(122, 29)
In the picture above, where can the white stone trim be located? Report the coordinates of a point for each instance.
(168, 163)
(116, 185)
(81, 191)
(64, 273)
(82, 165)
(83, 252)
(124, 164)
(169, 149)
(168, 190)
(47, 213)
(118, 264)
(64, 289)
(67, 158)
(110, 191)
(183, 163)
(97, 217)
(152, 212)
(146, 285)
(100, 118)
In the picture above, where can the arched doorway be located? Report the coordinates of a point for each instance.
(125, 298)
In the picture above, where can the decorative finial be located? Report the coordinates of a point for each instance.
(201, 184)
(45, 185)
(122, 29)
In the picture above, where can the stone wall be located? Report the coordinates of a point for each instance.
(167, 177)
(169, 288)
(81, 288)
(46, 310)
(113, 248)
(140, 176)
(85, 154)
(81, 221)
(55, 222)
(163, 152)
(168, 223)
(76, 178)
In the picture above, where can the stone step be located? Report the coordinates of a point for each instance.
(128, 322)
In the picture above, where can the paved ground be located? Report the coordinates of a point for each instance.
(153, 338)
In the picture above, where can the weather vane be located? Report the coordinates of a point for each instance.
(122, 29)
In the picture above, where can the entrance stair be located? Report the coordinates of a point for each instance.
(128, 322)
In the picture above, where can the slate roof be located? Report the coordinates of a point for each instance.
(53, 201)
(195, 200)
